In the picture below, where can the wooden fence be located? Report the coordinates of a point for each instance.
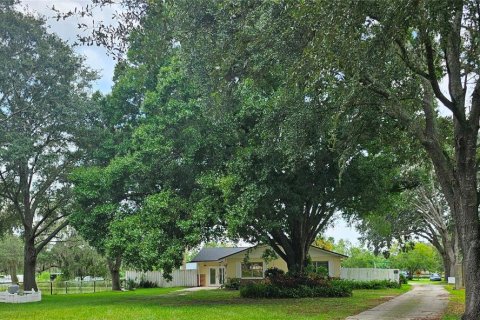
(368, 274)
(180, 278)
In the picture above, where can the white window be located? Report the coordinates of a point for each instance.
(252, 270)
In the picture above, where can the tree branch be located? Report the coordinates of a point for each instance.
(442, 163)
(432, 78)
(48, 225)
(45, 241)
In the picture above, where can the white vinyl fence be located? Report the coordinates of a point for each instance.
(28, 296)
(180, 278)
(368, 274)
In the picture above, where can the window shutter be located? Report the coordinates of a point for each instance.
(330, 268)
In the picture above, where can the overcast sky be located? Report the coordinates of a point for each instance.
(97, 58)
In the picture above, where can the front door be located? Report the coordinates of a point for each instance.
(216, 276)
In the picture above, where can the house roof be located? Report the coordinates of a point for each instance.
(215, 254)
(331, 252)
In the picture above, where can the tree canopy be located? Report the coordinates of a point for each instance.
(43, 102)
(223, 149)
(368, 63)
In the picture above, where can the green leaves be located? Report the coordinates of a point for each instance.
(155, 237)
(422, 257)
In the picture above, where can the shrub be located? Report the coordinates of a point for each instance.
(256, 290)
(144, 283)
(273, 272)
(232, 284)
(270, 290)
(130, 284)
(147, 284)
(372, 285)
(319, 272)
(403, 279)
(294, 281)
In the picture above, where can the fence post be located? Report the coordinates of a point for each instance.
(66, 287)
(94, 286)
(51, 288)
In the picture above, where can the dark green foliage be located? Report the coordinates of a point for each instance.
(269, 290)
(44, 108)
(321, 271)
(291, 280)
(271, 273)
(403, 279)
(371, 285)
(248, 146)
(146, 284)
(279, 285)
(131, 284)
(74, 257)
(232, 284)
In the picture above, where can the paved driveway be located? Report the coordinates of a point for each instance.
(421, 303)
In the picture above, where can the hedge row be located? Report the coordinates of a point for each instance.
(371, 285)
(268, 290)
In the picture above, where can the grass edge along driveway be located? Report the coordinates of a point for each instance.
(169, 303)
(456, 305)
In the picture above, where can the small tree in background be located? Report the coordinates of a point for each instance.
(74, 257)
(423, 257)
(11, 256)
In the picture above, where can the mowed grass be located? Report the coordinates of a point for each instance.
(456, 306)
(169, 303)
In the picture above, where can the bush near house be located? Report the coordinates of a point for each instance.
(281, 285)
(269, 290)
(232, 284)
(369, 285)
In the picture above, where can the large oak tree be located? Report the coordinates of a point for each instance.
(410, 60)
(43, 94)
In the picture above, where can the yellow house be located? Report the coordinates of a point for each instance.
(215, 265)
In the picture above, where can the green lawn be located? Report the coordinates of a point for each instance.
(456, 305)
(166, 303)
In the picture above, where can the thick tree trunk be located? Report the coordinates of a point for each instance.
(293, 244)
(450, 256)
(29, 264)
(293, 251)
(114, 267)
(13, 274)
(458, 180)
(449, 264)
(297, 262)
(471, 256)
(464, 206)
(446, 266)
(467, 218)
